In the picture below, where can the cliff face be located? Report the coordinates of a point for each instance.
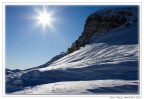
(103, 21)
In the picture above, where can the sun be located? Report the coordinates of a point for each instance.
(45, 18)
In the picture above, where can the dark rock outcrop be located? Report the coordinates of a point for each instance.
(103, 21)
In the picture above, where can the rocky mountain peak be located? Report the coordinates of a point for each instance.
(103, 21)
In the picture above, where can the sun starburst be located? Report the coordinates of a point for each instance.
(45, 18)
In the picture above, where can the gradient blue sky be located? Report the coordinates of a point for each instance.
(27, 46)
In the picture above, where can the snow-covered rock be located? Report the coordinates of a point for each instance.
(103, 21)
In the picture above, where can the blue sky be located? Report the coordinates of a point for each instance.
(29, 46)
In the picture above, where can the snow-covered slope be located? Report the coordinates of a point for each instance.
(8, 71)
(84, 87)
(108, 64)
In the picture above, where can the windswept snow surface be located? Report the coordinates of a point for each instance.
(121, 47)
(83, 87)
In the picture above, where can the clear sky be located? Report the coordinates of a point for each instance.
(29, 44)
